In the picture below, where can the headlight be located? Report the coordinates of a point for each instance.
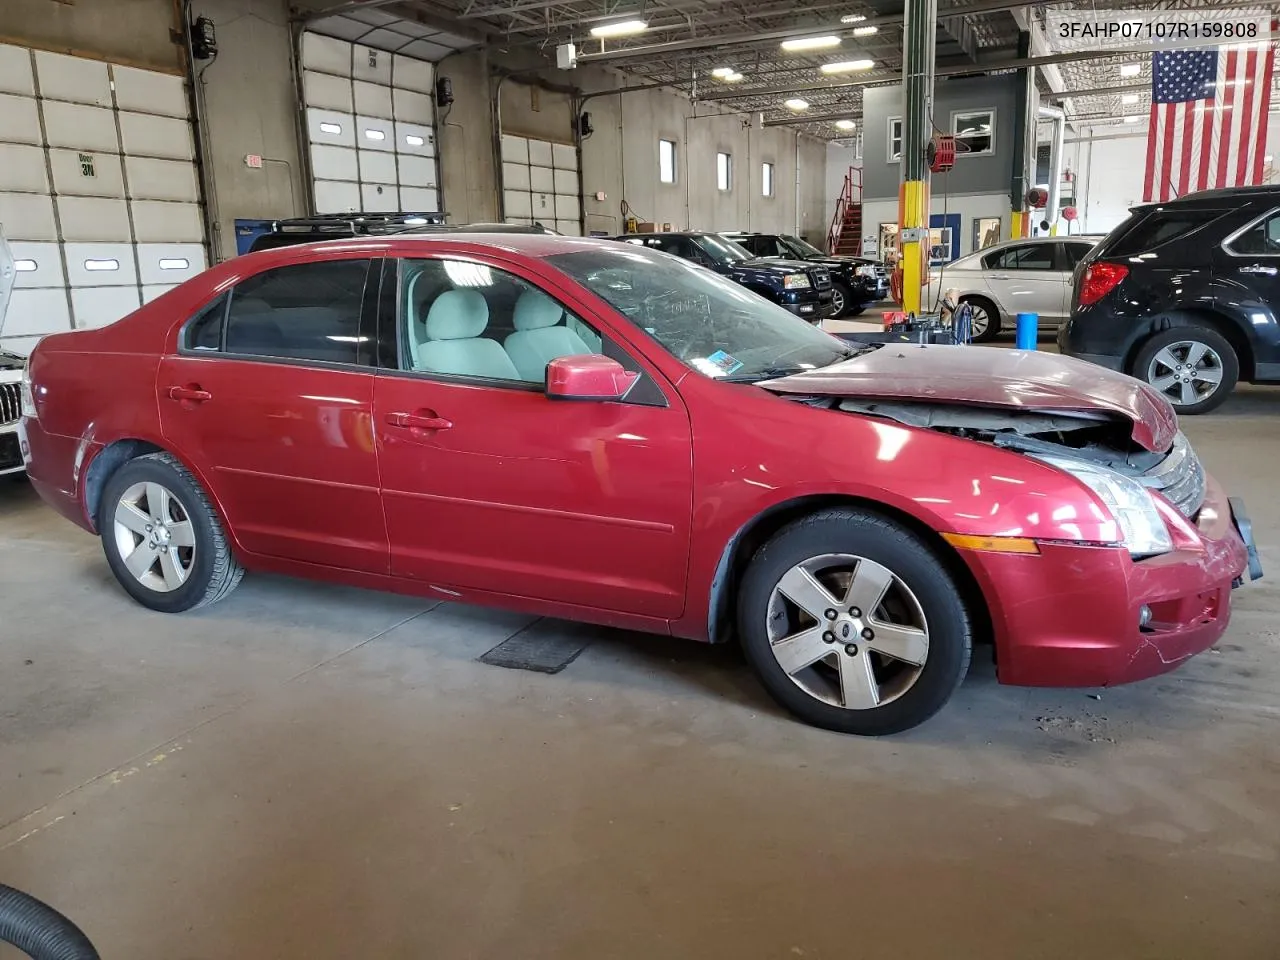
(867, 270)
(1141, 525)
(795, 281)
(28, 396)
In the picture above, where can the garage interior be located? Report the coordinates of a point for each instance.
(314, 771)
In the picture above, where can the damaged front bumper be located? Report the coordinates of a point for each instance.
(1093, 616)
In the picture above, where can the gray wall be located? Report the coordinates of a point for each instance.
(978, 174)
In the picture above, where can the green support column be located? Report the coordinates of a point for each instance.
(919, 33)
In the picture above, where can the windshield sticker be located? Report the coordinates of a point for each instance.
(724, 363)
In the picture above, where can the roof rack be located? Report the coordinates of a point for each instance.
(355, 222)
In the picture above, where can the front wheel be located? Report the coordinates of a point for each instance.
(1194, 367)
(984, 320)
(841, 300)
(853, 623)
(163, 540)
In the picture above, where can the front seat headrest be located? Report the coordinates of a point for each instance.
(535, 310)
(457, 315)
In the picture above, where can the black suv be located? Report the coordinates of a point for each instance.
(803, 288)
(856, 282)
(1185, 295)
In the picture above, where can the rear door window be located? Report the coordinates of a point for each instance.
(1262, 239)
(1027, 256)
(1075, 252)
(1158, 228)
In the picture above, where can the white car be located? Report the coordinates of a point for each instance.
(1017, 276)
(11, 367)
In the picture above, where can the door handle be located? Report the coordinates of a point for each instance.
(191, 394)
(418, 421)
(1259, 268)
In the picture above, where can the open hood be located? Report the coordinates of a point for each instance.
(983, 376)
(8, 273)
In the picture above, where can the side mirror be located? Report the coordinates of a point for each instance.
(588, 377)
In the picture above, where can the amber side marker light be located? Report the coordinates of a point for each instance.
(962, 541)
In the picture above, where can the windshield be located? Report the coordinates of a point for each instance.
(722, 249)
(709, 323)
(802, 248)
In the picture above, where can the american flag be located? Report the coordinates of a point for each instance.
(1208, 124)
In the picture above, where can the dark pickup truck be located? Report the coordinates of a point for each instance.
(803, 288)
(856, 282)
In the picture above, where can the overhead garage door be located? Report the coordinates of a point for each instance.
(98, 190)
(540, 183)
(370, 127)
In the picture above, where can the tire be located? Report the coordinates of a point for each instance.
(1165, 362)
(841, 300)
(192, 564)
(921, 601)
(993, 318)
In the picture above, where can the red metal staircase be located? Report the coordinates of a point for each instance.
(845, 236)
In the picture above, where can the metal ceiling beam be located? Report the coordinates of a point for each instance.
(1103, 91)
(818, 118)
(340, 8)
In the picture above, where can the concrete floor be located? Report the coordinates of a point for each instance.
(303, 771)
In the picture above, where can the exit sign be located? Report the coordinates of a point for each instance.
(253, 161)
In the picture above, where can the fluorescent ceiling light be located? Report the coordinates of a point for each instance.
(865, 31)
(622, 28)
(795, 103)
(1130, 69)
(723, 72)
(811, 43)
(845, 124)
(732, 77)
(1129, 98)
(852, 18)
(847, 66)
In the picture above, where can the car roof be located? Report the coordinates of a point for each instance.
(1262, 191)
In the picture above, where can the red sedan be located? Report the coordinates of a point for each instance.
(591, 430)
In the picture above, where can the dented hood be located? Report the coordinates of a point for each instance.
(983, 376)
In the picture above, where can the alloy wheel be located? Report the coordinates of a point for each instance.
(847, 631)
(837, 301)
(1187, 372)
(154, 536)
(979, 320)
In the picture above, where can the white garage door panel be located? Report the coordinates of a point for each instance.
(419, 200)
(152, 179)
(412, 107)
(73, 78)
(517, 203)
(329, 126)
(567, 208)
(417, 171)
(374, 133)
(566, 181)
(370, 64)
(28, 216)
(334, 163)
(541, 180)
(539, 153)
(22, 168)
(372, 99)
(168, 264)
(93, 219)
(147, 136)
(412, 74)
(377, 167)
(514, 149)
(37, 312)
(19, 119)
(330, 93)
(515, 176)
(99, 306)
(416, 139)
(568, 227)
(544, 207)
(564, 157)
(379, 198)
(146, 91)
(16, 75)
(79, 126)
(39, 265)
(85, 174)
(326, 54)
(156, 221)
(334, 196)
(101, 264)
(150, 292)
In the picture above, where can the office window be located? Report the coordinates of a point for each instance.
(724, 171)
(975, 132)
(766, 179)
(895, 139)
(667, 161)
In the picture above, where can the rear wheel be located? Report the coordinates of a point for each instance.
(1195, 368)
(985, 319)
(162, 538)
(852, 623)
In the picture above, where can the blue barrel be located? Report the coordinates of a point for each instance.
(1028, 328)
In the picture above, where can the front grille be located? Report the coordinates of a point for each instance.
(1179, 476)
(821, 279)
(10, 402)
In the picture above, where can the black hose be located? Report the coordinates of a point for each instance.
(40, 931)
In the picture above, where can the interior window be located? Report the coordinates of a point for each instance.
(471, 320)
(1262, 239)
(204, 331)
(307, 311)
(1030, 256)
